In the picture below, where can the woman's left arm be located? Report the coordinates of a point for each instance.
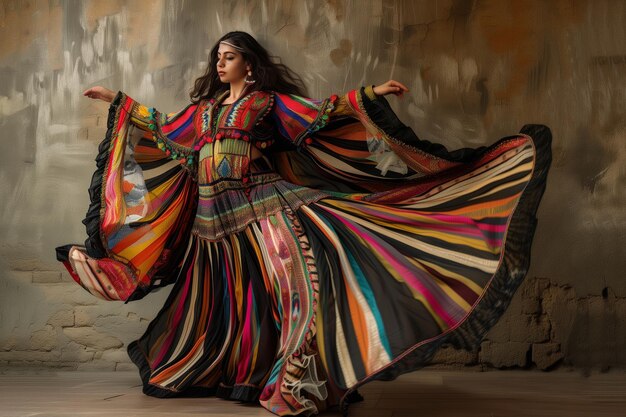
(297, 118)
(390, 87)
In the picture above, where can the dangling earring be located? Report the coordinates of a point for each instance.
(249, 81)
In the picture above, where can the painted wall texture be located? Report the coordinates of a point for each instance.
(477, 71)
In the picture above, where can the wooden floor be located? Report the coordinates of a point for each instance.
(430, 393)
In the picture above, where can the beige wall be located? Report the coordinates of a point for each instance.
(476, 70)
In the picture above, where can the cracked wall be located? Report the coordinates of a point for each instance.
(477, 71)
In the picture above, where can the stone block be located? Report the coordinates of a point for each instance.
(63, 318)
(531, 305)
(504, 355)
(449, 355)
(546, 355)
(116, 355)
(77, 355)
(530, 328)
(125, 367)
(561, 306)
(8, 344)
(531, 292)
(116, 320)
(84, 315)
(46, 277)
(44, 339)
(89, 337)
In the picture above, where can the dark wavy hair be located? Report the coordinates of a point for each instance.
(269, 75)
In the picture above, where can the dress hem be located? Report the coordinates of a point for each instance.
(243, 393)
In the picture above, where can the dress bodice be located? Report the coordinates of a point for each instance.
(226, 134)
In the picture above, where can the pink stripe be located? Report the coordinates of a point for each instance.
(231, 290)
(246, 342)
(177, 317)
(498, 228)
(456, 229)
(477, 229)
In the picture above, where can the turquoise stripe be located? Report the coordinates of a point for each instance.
(371, 301)
(367, 292)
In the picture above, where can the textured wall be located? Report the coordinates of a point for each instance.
(477, 70)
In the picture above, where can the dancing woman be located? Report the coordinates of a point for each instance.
(313, 244)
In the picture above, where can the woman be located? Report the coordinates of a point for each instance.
(314, 245)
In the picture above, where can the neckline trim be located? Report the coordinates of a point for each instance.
(220, 99)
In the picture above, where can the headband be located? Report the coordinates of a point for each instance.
(239, 48)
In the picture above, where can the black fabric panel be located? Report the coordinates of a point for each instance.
(328, 270)
(393, 298)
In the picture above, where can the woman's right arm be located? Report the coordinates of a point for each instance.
(140, 115)
(174, 133)
(100, 93)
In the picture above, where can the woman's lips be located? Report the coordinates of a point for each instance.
(221, 72)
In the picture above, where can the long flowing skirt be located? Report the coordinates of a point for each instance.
(300, 307)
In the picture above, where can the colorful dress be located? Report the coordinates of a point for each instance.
(349, 252)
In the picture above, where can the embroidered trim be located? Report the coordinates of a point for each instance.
(221, 134)
(320, 121)
(182, 154)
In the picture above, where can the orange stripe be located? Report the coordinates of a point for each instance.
(173, 369)
(360, 326)
(132, 238)
(486, 205)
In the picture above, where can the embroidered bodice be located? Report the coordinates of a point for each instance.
(226, 133)
(214, 142)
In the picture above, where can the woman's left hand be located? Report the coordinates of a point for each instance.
(390, 87)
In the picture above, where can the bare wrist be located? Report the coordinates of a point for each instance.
(369, 91)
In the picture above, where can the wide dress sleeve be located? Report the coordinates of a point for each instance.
(355, 146)
(336, 147)
(143, 198)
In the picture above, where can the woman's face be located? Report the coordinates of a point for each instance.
(231, 66)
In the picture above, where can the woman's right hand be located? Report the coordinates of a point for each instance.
(100, 93)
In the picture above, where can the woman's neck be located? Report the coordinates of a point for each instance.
(236, 90)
